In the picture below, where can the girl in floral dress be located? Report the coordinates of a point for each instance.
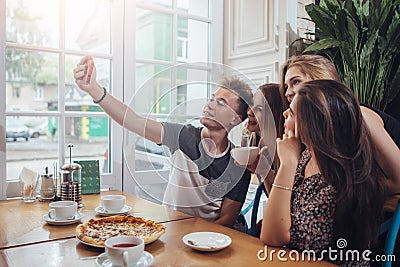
(331, 191)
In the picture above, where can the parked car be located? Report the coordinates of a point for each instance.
(145, 145)
(38, 130)
(16, 129)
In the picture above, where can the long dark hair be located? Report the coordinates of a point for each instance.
(330, 123)
(270, 130)
(275, 101)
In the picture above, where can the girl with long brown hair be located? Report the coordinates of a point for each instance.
(385, 130)
(335, 191)
(265, 128)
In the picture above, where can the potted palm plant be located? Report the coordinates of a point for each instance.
(362, 38)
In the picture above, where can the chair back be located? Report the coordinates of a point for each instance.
(253, 206)
(391, 226)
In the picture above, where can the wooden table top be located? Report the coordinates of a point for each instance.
(169, 250)
(22, 223)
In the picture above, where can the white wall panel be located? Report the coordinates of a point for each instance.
(255, 37)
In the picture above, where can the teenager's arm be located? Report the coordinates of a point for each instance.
(277, 219)
(229, 212)
(118, 111)
(387, 154)
(268, 181)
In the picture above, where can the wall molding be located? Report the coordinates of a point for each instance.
(262, 40)
(262, 74)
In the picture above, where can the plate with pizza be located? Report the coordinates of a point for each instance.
(95, 231)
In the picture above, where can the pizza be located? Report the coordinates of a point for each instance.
(96, 231)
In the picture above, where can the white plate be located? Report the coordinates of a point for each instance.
(207, 241)
(145, 260)
(101, 211)
(78, 216)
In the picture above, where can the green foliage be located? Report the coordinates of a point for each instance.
(363, 41)
(22, 65)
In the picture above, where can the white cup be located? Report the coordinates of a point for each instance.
(113, 203)
(124, 250)
(245, 155)
(62, 210)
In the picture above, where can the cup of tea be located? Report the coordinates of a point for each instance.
(245, 155)
(62, 210)
(124, 250)
(113, 203)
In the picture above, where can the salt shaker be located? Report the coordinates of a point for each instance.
(47, 188)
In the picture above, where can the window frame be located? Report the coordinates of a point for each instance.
(108, 180)
(215, 20)
(123, 49)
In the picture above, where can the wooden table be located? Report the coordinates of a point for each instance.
(22, 223)
(26, 240)
(169, 250)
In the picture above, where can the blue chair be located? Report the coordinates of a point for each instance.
(253, 206)
(391, 226)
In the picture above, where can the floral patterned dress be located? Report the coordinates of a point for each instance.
(313, 206)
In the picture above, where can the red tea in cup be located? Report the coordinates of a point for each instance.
(124, 245)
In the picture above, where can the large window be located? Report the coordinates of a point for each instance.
(44, 110)
(42, 42)
(172, 48)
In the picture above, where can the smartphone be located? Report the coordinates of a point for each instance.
(89, 70)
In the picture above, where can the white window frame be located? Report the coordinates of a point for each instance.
(110, 180)
(122, 82)
(183, 44)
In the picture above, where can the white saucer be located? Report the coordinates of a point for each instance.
(207, 241)
(101, 211)
(78, 216)
(145, 260)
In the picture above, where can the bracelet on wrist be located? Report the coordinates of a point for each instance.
(102, 97)
(282, 187)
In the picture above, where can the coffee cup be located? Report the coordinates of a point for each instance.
(113, 203)
(124, 250)
(245, 155)
(62, 210)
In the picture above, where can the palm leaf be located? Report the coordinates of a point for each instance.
(363, 41)
(331, 5)
(342, 32)
(368, 49)
(394, 88)
(323, 44)
(322, 18)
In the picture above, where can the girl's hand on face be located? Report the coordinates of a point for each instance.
(288, 148)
